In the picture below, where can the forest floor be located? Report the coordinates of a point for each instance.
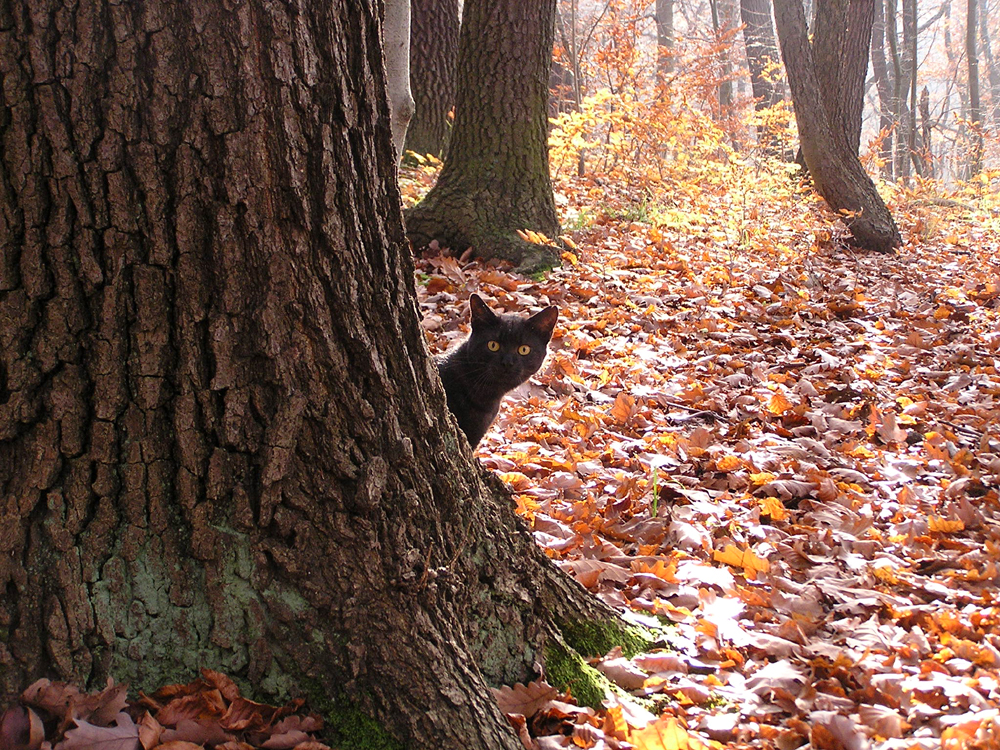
(786, 448)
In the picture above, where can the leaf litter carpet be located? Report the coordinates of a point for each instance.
(791, 454)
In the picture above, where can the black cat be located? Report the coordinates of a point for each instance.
(502, 352)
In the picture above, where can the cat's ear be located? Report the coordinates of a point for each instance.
(545, 321)
(481, 313)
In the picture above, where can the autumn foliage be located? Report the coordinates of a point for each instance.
(776, 452)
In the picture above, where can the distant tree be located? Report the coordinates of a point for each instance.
(222, 440)
(992, 67)
(665, 37)
(762, 53)
(434, 29)
(826, 88)
(495, 179)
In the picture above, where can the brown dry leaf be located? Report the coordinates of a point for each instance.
(523, 699)
(85, 736)
(286, 740)
(21, 729)
(149, 731)
(179, 745)
(223, 683)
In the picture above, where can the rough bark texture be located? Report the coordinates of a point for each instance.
(222, 442)
(829, 155)
(762, 54)
(495, 179)
(434, 26)
(841, 39)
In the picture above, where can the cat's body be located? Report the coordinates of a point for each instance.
(502, 352)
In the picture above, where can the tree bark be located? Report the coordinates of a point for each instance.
(222, 441)
(828, 146)
(434, 32)
(495, 179)
(842, 37)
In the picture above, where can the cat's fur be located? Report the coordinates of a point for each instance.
(476, 378)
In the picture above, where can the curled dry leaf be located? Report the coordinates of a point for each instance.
(526, 700)
(21, 729)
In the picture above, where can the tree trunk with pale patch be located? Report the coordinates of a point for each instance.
(396, 42)
(495, 180)
(828, 144)
(222, 440)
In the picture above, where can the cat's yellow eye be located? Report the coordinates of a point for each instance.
(493, 346)
(523, 349)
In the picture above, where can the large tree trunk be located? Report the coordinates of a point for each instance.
(434, 26)
(829, 146)
(222, 441)
(495, 180)
(842, 37)
(762, 54)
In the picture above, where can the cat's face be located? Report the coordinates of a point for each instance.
(509, 348)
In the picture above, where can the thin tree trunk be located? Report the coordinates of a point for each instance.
(496, 180)
(880, 71)
(826, 146)
(222, 441)
(926, 152)
(910, 58)
(433, 55)
(975, 109)
(900, 76)
(396, 43)
(719, 26)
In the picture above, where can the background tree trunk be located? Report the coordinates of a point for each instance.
(222, 441)
(975, 108)
(884, 85)
(762, 52)
(496, 180)
(664, 37)
(910, 69)
(992, 68)
(396, 42)
(434, 26)
(826, 146)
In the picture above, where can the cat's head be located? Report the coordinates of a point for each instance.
(511, 348)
